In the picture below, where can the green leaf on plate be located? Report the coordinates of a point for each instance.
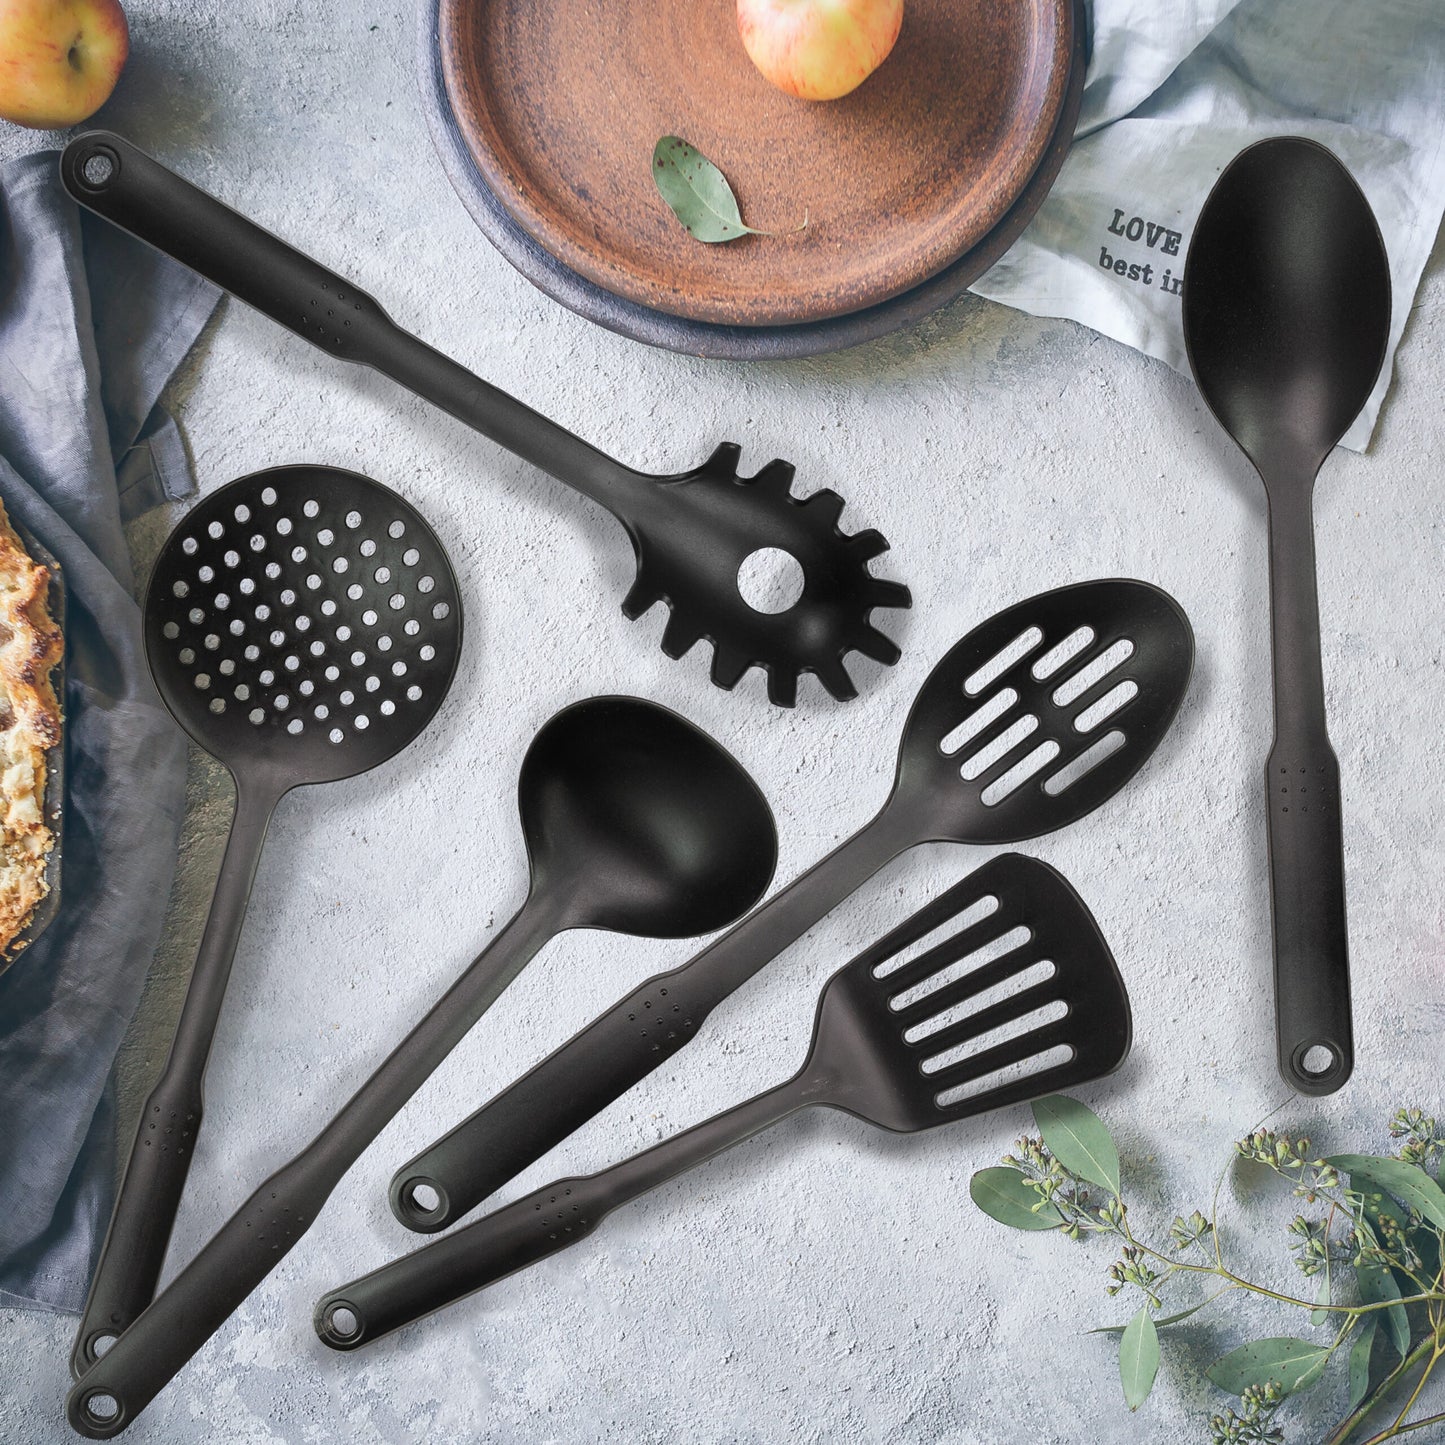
(1407, 1182)
(1360, 1363)
(1158, 1324)
(697, 191)
(1004, 1194)
(1294, 1364)
(1138, 1358)
(1077, 1138)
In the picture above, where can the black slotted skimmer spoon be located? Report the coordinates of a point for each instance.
(1032, 720)
(1015, 995)
(1287, 319)
(636, 822)
(691, 533)
(303, 625)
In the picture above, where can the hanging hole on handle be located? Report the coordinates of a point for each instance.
(101, 1409)
(99, 168)
(98, 1343)
(341, 1324)
(1317, 1060)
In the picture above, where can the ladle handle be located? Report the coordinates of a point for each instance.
(145, 1210)
(623, 1046)
(124, 1380)
(1315, 1032)
(543, 1223)
(105, 173)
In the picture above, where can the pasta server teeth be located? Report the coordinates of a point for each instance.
(1000, 990)
(691, 533)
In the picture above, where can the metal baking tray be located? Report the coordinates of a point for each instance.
(53, 806)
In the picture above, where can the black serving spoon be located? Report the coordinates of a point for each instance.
(1015, 995)
(691, 533)
(635, 822)
(1286, 319)
(1032, 720)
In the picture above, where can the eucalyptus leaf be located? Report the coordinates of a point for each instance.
(1158, 1324)
(697, 191)
(1360, 1363)
(1004, 1194)
(1138, 1358)
(1378, 1284)
(1077, 1138)
(1319, 1316)
(1294, 1364)
(1407, 1182)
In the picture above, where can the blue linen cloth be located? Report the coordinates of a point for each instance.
(92, 327)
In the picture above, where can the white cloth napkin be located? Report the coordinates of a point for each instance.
(1176, 89)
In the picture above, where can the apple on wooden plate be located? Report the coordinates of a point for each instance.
(59, 59)
(818, 49)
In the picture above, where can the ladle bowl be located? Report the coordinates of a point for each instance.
(1286, 321)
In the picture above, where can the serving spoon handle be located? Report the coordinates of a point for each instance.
(1314, 1029)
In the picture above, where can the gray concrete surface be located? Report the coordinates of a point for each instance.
(825, 1283)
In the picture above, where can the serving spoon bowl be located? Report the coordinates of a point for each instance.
(1286, 321)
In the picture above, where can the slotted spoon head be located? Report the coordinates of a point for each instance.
(1000, 990)
(692, 534)
(1044, 711)
(303, 624)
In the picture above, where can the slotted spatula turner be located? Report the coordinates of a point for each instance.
(691, 533)
(1032, 720)
(303, 625)
(1019, 997)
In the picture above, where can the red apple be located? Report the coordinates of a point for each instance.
(818, 49)
(59, 59)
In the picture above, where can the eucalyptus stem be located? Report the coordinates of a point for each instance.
(1430, 1346)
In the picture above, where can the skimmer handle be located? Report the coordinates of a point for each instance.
(541, 1224)
(160, 1158)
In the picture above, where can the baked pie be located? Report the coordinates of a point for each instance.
(30, 720)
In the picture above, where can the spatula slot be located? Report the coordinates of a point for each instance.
(1020, 773)
(1010, 1075)
(1000, 747)
(1106, 706)
(1004, 988)
(1000, 662)
(1062, 652)
(955, 924)
(1086, 762)
(1004, 1033)
(978, 720)
(1095, 672)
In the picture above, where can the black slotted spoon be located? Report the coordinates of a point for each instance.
(691, 533)
(302, 625)
(1043, 1008)
(1032, 720)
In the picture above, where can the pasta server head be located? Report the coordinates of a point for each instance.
(692, 535)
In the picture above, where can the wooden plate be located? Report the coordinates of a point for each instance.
(560, 106)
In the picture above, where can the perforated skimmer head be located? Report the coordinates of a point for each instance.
(303, 622)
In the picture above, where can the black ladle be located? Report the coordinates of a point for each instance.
(1286, 319)
(635, 822)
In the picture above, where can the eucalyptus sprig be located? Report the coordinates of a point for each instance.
(1374, 1239)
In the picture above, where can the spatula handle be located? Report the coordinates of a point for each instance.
(541, 1224)
(1314, 1027)
(624, 1045)
(105, 173)
(160, 1158)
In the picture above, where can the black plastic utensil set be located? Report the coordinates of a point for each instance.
(304, 625)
